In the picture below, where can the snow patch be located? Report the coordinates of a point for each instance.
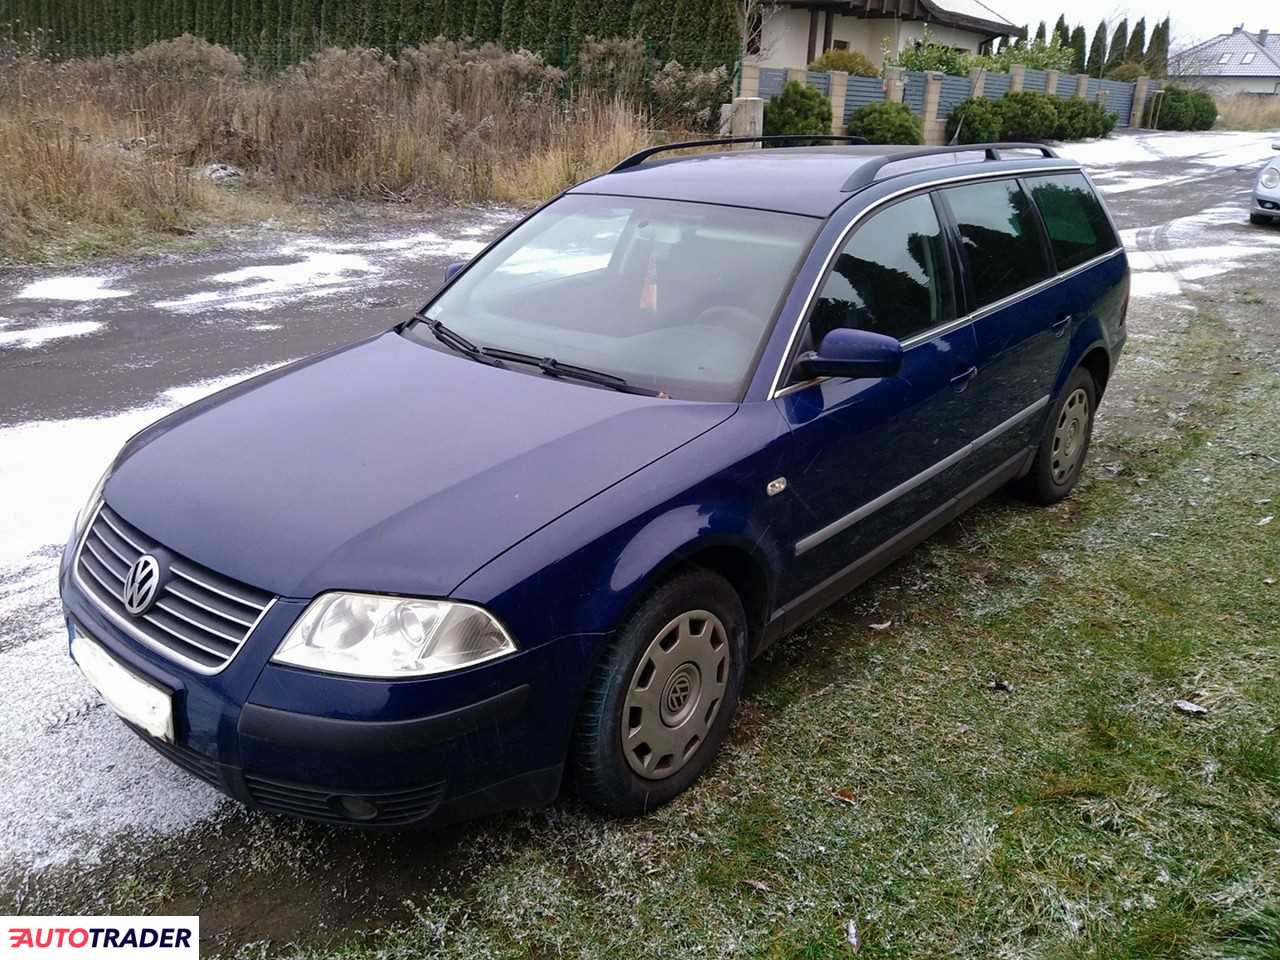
(34, 337)
(79, 289)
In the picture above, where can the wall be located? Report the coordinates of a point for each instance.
(785, 40)
(913, 30)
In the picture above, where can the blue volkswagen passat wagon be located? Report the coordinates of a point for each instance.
(536, 533)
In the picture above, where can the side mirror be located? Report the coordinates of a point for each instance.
(852, 353)
(453, 269)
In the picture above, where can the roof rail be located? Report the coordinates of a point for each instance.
(866, 174)
(638, 158)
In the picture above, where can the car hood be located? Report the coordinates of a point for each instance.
(387, 466)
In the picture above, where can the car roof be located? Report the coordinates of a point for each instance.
(810, 181)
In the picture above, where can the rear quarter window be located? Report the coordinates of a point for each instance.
(1073, 216)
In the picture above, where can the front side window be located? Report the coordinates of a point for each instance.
(1000, 237)
(671, 296)
(1073, 217)
(891, 277)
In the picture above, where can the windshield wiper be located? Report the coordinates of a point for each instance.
(456, 341)
(554, 368)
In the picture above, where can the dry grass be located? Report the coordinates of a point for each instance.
(102, 152)
(1249, 113)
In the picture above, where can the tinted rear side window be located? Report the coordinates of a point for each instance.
(891, 276)
(1077, 226)
(1000, 237)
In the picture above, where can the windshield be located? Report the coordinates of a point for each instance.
(674, 297)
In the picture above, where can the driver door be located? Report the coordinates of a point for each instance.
(870, 457)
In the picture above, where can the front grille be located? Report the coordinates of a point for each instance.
(395, 808)
(200, 618)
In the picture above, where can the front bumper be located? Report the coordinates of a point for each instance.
(1266, 201)
(351, 751)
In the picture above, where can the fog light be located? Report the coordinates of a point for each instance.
(357, 808)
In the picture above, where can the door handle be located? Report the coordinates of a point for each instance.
(961, 380)
(1059, 327)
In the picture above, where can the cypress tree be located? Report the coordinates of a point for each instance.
(300, 29)
(555, 42)
(1078, 51)
(512, 24)
(723, 39)
(1098, 51)
(1061, 33)
(1119, 41)
(582, 25)
(651, 21)
(687, 28)
(1137, 49)
(536, 22)
(614, 18)
(1158, 50)
(1040, 33)
(268, 46)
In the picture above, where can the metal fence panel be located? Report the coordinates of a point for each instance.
(954, 91)
(996, 85)
(820, 82)
(1119, 100)
(913, 93)
(862, 91)
(1094, 86)
(1066, 88)
(772, 80)
(1035, 80)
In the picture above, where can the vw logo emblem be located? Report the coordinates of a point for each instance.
(678, 692)
(141, 585)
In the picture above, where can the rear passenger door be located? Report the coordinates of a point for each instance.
(1020, 316)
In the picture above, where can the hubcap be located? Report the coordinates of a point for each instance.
(675, 694)
(1070, 435)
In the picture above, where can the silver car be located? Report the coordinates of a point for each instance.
(1266, 192)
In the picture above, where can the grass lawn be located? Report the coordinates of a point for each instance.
(1000, 772)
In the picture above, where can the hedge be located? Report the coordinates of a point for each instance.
(886, 123)
(798, 109)
(1183, 109)
(1027, 115)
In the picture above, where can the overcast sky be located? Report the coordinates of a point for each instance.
(1192, 20)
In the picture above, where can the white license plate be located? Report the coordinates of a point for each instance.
(141, 703)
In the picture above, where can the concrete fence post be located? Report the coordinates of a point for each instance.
(797, 74)
(1138, 109)
(1082, 86)
(934, 128)
(839, 89)
(1017, 74)
(977, 81)
(1051, 82)
(746, 119)
(749, 82)
(894, 84)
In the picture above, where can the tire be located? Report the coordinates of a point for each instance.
(1065, 445)
(655, 690)
(1261, 219)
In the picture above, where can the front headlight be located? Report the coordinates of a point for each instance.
(82, 518)
(363, 635)
(1270, 178)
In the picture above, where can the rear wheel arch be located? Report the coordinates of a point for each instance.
(1098, 362)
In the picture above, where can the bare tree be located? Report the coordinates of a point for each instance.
(754, 16)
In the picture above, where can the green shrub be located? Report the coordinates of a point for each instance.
(1074, 120)
(886, 123)
(927, 55)
(850, 61)
(1184, 109)
(1101, 123)
(1036, 55)
(1028, 115)
(976, 120)
(799, 108)
(1127, 72)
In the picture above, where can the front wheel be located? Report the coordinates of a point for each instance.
(1065, 444)
(661, 700)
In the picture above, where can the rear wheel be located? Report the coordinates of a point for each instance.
(1065, 444)
(1259, 218)
(661, 700)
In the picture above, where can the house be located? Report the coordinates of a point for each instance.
(792, 33)
(1235, 62)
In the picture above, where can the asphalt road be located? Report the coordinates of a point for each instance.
(89, 356)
